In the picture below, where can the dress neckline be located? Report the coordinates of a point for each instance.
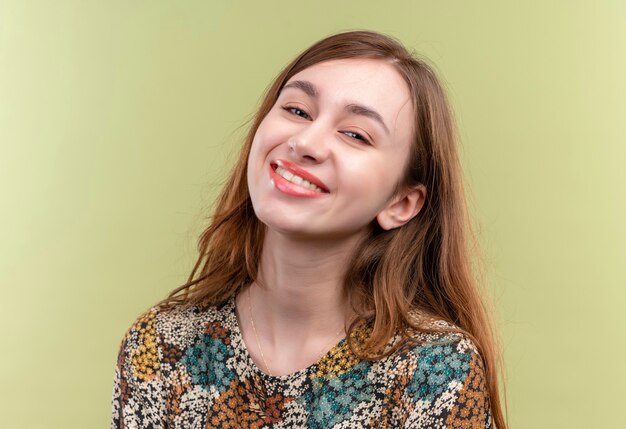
(238, 343)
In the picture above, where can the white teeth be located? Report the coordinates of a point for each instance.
(297, 180)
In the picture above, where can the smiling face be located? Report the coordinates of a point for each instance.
(326, 159)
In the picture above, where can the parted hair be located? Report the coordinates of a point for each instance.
(431, 263)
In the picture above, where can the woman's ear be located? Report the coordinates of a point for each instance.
(402, 208)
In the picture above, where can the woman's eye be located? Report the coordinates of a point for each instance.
(297, 111)
(356, 136)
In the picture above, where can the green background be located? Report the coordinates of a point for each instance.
(119, 120)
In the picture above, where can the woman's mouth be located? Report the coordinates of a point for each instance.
(293, 180)
(297, 179)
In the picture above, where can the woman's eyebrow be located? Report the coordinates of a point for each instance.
(357, 109)
(307, 87)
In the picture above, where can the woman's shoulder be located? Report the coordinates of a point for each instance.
(177, 322)
(435, 335)
(441, 373)
(433, 327)
(441, 358)
(162, 331)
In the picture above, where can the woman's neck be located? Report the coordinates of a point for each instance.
(299, 311)
(302, 284)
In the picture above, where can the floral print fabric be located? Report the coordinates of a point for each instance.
(190, 369)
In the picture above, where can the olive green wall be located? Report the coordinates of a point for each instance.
(118, 120)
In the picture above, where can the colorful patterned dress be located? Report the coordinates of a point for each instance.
(190, 369)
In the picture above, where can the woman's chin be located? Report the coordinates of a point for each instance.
(313, 233)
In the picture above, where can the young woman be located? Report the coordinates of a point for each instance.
(334, 286)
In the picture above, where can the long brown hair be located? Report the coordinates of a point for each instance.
(424, 264)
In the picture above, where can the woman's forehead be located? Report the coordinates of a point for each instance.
(357, 72)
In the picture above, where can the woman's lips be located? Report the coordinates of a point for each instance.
(297, 171)
(290, 188)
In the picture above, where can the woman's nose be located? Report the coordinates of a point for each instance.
(311, 145)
